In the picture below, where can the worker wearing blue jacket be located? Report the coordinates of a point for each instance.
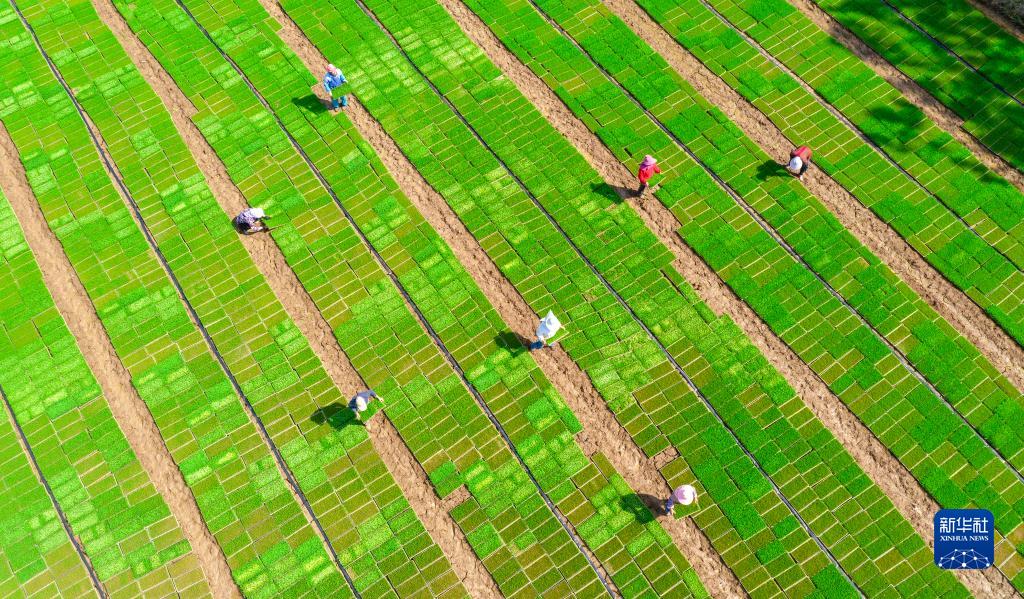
(333, 80)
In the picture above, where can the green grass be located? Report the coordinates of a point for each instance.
(459, 443)
(430, 169)
(192, 402)
(869, 290)
(339, 471)
(966, 187)
(37, 558)
(968, 32)
(511, 211)
(126, 528)
(269, 546)
(719, 247)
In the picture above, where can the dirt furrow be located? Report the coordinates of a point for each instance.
(129, 410)
(601, 432)
(873, 458)
(990, 10)
(313, 60)
(885, 243)
(939, 114)
(428, 507)
(303, 311)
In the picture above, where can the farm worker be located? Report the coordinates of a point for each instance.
(361, 402)
(684, 495)
(333, 80)
(549, 326)
(648, 168)
(249, 221)
(799, 160)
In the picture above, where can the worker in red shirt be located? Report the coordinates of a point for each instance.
(648, 168)
(799, 160)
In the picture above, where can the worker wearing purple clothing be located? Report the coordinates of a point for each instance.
(333, 80)
(250, 221)
(361, 402)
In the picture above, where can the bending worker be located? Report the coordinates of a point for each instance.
(684, 495)
(333, 80)
(799, 160)
(548, 328)
(250, 221)
(361, 402)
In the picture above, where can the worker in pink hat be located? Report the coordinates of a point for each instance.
(332, 81)
(648, 168)
(684, 495)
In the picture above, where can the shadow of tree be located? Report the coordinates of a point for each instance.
(899, 124)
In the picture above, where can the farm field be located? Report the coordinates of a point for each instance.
(825, 361)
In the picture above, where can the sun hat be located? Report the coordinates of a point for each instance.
(685, 495)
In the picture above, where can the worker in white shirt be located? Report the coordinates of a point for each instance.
(548, 328)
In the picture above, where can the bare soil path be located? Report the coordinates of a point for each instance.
(131, 413)
(891, 476)
(302, 310)
(1000, 11)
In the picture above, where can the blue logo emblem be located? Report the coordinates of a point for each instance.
(964, 539)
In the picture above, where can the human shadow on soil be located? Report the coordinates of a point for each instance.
(643, 506)
(515, 343)
(613, 193)
(336, 415)
(310, 102)
(771, 169)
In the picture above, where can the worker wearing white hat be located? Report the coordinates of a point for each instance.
(799, 161)
(684, 495)
(548, 328)
(361, 402)
(249, 221)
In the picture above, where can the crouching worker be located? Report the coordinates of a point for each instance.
(332, 81)
(546, 330)
(799, 160)
(361, 402)
(251, 221)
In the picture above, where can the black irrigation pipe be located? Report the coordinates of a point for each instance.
(116, 177)
(949, 50)
(778, 239)
(852, 127)
(102, 592)
(409, 301)
(693, 387)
